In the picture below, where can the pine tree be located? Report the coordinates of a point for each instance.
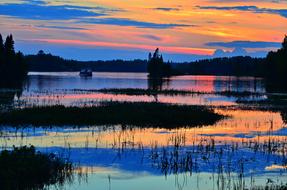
(9, 46)
(13, 68)
(1, 50)
(156, 66)
(1, 44)
(149, 56)
(284, 43)
(277, 61)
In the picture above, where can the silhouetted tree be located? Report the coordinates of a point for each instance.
(1, 50)
(13, 68)
(284, 44)
(1, 43)
(9, 46)
(41, 53)
(156, 66)
(149, 56)
(277, 66)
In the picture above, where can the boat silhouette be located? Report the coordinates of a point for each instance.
(86, 73)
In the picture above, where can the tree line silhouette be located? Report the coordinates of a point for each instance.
(154, 65)
(13, 68)
(235, 66)
(276, 74)
(273, 68)
(46, 62)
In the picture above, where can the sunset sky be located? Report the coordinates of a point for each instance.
(184, 30)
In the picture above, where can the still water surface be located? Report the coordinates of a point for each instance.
(250, 142)
(67, 88)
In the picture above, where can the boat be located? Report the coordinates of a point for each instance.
(86, 73)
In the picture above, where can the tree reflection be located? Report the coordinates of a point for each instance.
(156, 84)
(7, 97)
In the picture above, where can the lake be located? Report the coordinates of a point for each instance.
(245, 149)
(68, 88)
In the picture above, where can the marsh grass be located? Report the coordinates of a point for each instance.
(272, 103)
(230, 169)
(25, 168)
(275, 100)
(140, 114)
(172, 92)
(270, 187)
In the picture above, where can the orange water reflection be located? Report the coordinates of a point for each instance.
(243, 125)
(48, 82)
(93, 98)
(69, 89)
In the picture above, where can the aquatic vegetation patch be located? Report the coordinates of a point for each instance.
(25, 168)
(149, 92)
(140, 114)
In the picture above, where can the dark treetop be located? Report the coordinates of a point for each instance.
(13, 68)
